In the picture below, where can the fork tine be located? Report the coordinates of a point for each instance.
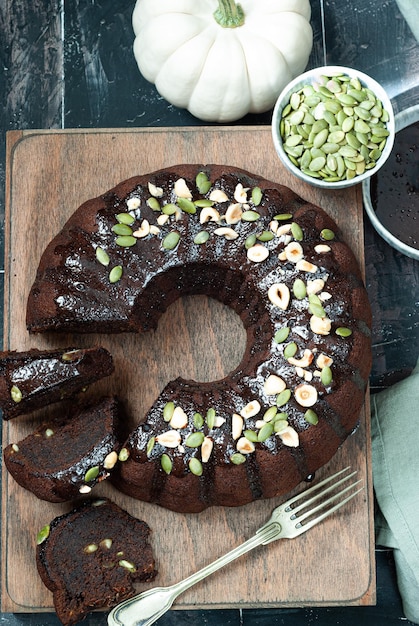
(302, 496)
(304, 515)
(301, 528)
(321, 493)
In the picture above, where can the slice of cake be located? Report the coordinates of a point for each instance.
(67, 456)
(36, 378)
(90, 558)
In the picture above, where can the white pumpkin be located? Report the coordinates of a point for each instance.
(218, 59)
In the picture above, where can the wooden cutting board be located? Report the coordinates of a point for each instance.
(50, 173)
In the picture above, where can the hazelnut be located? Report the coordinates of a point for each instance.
(274, 385)
(320, 325)
(245, 446)
(257, 253)
(289, 437)
(306, 395)
(236, 425)
(209, 214)
(294, 252)
(279, 295)
(251, 409)
(206, 449)
(182, 190)
(233, 214)
(169, 439)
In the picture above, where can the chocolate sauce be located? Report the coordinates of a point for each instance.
(395, 188)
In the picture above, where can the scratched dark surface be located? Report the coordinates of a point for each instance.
(69, 63)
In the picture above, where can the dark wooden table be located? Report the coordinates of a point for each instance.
(69, 64)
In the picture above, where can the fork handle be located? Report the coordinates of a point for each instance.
(144, 609)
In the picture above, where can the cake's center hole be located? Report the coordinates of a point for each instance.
(201, 339)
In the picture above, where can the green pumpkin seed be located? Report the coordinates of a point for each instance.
(169, 209)
(43, 534)
(237, 458)
(315, 306)
(343, 332)
(168, 410)
(290, 350)
(299, 289)
(166, 463)
(210, 418)
(280, 425)
(267, 235)
(91, 474)
(171, 240)
(250, 241)
(203, 183)
(201, 237)
(296, 231)
(283, 217)
(326, 376)
(115, 274)
(311, 417)
(327, 234)
(127, 565)
(195, 466)
(250, 216)
(154, 204)
(269, 414)
(187, 206)
(150, 445)
(102, 256)
(283, 397)
(282, 334)
(251, 435)
(202, 203)
(198, 420)
(125, 218)
(265, 432)
(121, 229)
(126, 241)
(16, 394)
(340, 113)
(194, 440)
(123, 455)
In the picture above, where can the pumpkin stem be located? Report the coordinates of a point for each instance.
(229, 14)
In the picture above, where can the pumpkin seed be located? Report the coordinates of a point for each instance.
(150, 445)
(43, 534)
(326, 376)
(125, 218)
(283, 397)
(290, 350)
(102, 256)
(198, 420)
(121, 229)
(201, 237)
(282, 334)
(250, 241)
(194, 440)
(169, 209)
(203, 183)
(250, 216)
(154, 204)
(16, 394)
(327, 234)
(237, 458)
(297, 232)
(267, 235)
(340, 113)
(282, 217)
(91, 474)
(115, 274)
(202, 203)
(126, 241)
(123, 455)
(299, 289)
(210, 418)
(311, 417)
(195, 466)
(265, 432)
(187, 206)
(171, 240)
(256, 196)
(127, 565)
(166, 463)
(168, 410)
(251, 435)
(343, 332)
(269, 414)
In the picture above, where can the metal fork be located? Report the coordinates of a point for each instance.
(289, 520)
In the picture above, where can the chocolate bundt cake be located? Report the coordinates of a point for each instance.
(33, 379)
(90, 558)
(67, 456)
(280, 263)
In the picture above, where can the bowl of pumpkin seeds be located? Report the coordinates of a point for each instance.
(333, 127)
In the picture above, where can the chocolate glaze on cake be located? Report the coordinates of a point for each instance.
(280, 263)
(67, 456)
(33, 379)
(90, 558)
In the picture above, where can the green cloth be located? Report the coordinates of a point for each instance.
(395, 465)
(410, 11)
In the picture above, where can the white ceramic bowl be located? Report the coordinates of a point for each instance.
(402, 120)
(312, 77)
